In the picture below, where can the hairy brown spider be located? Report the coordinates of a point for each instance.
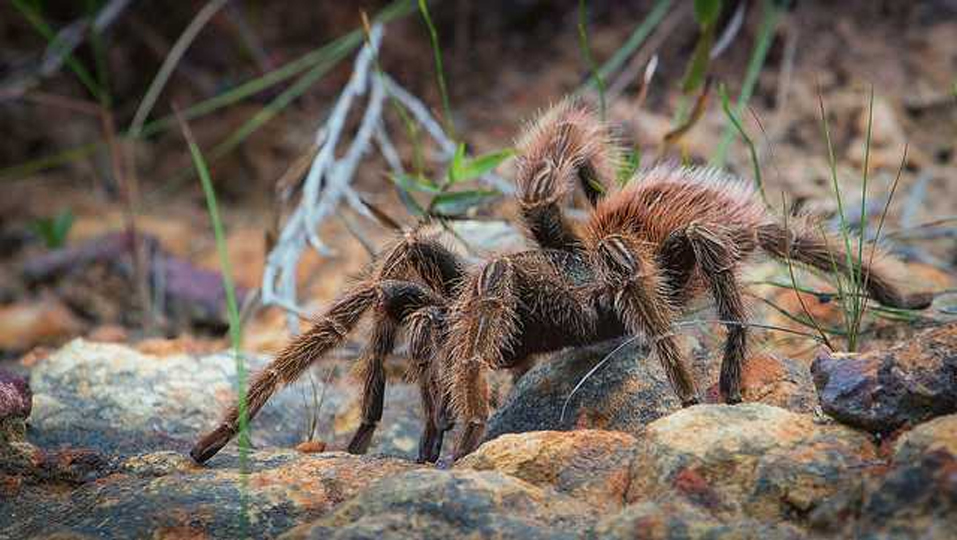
(646, 251)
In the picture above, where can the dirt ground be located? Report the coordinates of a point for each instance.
(504, 61)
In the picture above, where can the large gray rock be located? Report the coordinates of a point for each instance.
(165, 495)
(630, 390)
(114, 399)
(625, 394)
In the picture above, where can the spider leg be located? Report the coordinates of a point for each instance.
(816, 251)
(641, 300)
(397, 301)
(565, 146)
(717, 256)
(426, 327)
(484, 324)
(417, 253)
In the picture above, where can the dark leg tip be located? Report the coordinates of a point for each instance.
(362, 439)
(471, 439)
(211, 444)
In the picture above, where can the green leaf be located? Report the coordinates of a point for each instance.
(458, 164)
(698, 66)
(470, 169)
(629, 165)
(411, 182)
(53, 230)
(706, 11)
(457, 203)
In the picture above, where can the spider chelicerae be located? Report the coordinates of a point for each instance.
(642, 255)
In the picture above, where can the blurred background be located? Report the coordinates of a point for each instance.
(105, 228)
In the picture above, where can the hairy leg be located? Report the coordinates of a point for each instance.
(806, 247)
(417, 253)
(426, 329)
(565, 146)
(641, 300)
(717, 257)
(483, 325)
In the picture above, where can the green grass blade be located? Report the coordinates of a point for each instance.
(35, 18)
(755, 162)
(769, 23)
(439, 71)
(637, 37)
(587, 55)
(232, 309)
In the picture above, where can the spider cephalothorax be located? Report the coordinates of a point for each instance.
(644, 252)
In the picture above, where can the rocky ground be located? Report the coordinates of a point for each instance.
(93, 445)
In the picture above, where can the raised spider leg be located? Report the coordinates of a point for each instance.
(717, 255)
(565, 145)
(484, 324)
(641, 300)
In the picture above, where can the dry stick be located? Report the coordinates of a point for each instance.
(169, 64)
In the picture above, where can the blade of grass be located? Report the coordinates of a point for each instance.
(769, 22)
(35, 18)
(439, 71)
(235, 332)
(755, 162)
(585, 48)
(195, 26)
(637, 37)
(337, 49)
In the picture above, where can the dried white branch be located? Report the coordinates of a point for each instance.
(328, 182)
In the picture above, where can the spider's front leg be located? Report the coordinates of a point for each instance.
(427, 328)
(641, 299)
(484, 325)
(712, 249)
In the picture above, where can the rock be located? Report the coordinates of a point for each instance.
(434, 504)
(781, 382)
(628, 392)
(490, 236)
(938, 434)
(880, 391)
(16, 400)
(750, 459)
(591, 466)
(118, 400)
(677, 518)
(165, 495)
(36, 322)
(115, 399)
(914, 498)
(631, 390)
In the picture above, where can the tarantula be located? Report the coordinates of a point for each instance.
(645, 252)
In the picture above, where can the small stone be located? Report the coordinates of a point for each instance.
(311, 447)
(938, 434)
(589, 465)
(882, 390)
(36, 322)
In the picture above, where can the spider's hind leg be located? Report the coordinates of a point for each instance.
(713, 251)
